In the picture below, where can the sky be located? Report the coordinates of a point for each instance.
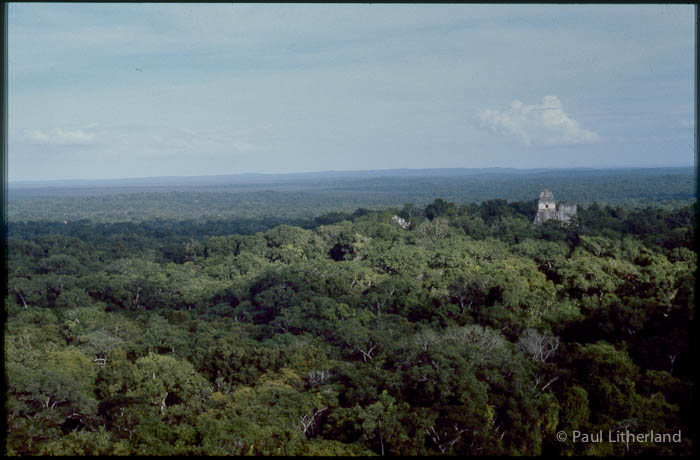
(104, 91)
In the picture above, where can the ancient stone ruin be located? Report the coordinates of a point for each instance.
(548, 209)
(401, 222)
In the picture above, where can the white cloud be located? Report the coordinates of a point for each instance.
(544, 124)
(59, 136)
(142, 141)
(688, 123)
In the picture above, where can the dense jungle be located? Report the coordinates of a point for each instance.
(439, 328)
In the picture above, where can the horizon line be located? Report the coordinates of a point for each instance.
(335, 171)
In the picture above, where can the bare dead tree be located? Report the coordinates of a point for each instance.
(426, 338)
(367, 352)
(475, 336)
(309, 422)
(434, 230)
(546, 386)
(539, 346)
(162, 404)
(627, 425)
(672, 357)
(318, 377)
(445, 442)
(19, 293)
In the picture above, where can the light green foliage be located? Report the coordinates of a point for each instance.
(165, 381)
(46, 388)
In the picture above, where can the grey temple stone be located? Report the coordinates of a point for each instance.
(548, 209)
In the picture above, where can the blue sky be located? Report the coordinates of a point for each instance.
(227, 89)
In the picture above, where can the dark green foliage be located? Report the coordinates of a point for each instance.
(471, 332)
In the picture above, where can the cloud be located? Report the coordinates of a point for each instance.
(143, 140)
(544, 124)
(688, 123)
(59, 136)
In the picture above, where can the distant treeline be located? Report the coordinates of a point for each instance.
(508, 221)
(291, 199)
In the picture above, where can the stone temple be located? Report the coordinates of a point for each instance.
(548, 209)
